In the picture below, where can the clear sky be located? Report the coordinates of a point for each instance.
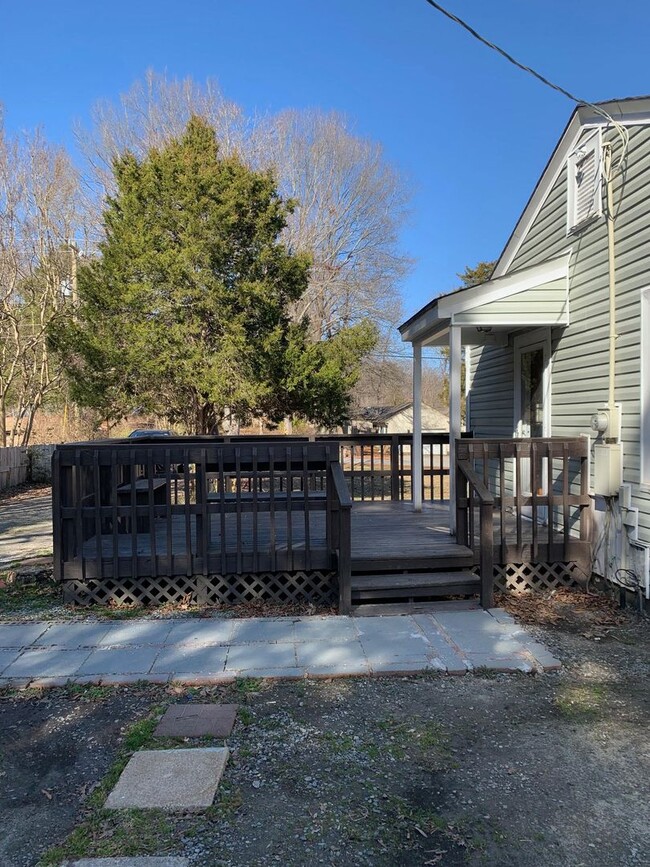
(470, 131)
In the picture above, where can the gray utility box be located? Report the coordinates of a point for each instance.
(608, 474)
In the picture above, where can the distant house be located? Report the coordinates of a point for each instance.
(557, 342)
(395, 419)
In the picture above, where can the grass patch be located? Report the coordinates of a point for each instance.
(88, 692)
(431, 735)
(484, 672)
(107, 834)
(245, 716)
(245, 686)
(580, 703)
(29, 598)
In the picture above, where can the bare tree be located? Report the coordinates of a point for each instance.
(39, 214)
(351, 201)
(150, 114)
(351, 204)
(387, 381)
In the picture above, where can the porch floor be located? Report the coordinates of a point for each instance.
(383, 532)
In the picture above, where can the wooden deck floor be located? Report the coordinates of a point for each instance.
(385, 535)
(390, 535)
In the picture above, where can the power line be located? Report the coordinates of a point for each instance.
(406, 357)
(600, 111)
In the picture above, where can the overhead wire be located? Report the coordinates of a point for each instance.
(620, 129)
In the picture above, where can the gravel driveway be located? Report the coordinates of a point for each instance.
(25, 526)
(511, 770)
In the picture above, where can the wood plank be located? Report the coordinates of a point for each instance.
(410, 580)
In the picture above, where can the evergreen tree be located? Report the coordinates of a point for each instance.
(187, 310)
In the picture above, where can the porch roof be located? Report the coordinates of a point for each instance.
(528, 298)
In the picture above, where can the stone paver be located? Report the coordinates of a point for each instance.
(7, 656)
(337, 654)
(195, 720)
(47, 663)
(210, 659)
(146, 861)
(326, 629)
(170, 779)
(84, 635)
(244, 656)
(455, 639)
(136, 632)
(119, 660)
(263, 630)
(20, 634)
(200, 632)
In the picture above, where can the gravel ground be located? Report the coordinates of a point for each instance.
(25, 524)
(484, 769)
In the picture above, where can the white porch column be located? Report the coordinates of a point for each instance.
(455, 355)
(416, 449)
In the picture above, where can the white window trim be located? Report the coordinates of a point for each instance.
(538, 339)
(585, 145)
(644, 421)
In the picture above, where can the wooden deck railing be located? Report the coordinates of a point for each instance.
(480, 495)
(155, 509)
(339, 506)
(532, 497)
(379, 466)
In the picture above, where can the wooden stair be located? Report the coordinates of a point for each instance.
(402, 581)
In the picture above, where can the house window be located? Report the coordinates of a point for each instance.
(584, 183)
(645, 387)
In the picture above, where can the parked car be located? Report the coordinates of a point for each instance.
(148, 432)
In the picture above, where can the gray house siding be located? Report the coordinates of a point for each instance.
(491, 403)
(579, 378)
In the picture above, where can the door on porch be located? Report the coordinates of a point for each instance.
(533, 404)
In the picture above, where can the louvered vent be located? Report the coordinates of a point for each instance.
(585, 193)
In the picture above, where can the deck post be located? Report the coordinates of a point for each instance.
(455, 354)
(416, 447)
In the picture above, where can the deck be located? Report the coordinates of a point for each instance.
(384, 535)
(290, 519)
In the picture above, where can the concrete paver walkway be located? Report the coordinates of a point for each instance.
(453, 640)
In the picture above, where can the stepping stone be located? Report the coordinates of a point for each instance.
(170, 779)
(197, 720)
(130, 862)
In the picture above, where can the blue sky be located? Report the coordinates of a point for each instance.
(470, 131)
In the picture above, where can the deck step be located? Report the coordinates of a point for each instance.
(458, 558)
(414, 584)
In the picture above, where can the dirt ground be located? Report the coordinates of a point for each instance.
(483, 769)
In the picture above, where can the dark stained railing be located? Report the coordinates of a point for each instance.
(379, 466)
(339, 506)
(532, 500)
(191, 507)
(150, 509)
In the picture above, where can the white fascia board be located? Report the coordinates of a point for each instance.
(423, 326)
(504, 287)
(630, 112)
(515, 320)
(626, 112)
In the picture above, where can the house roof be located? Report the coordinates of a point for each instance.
(382, 413)
(628, 111)
(496, 306)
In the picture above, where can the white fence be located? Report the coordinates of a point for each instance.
(14, 467)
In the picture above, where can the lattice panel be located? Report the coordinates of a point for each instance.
(278, 587)
(315, 587)
(527, 577)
